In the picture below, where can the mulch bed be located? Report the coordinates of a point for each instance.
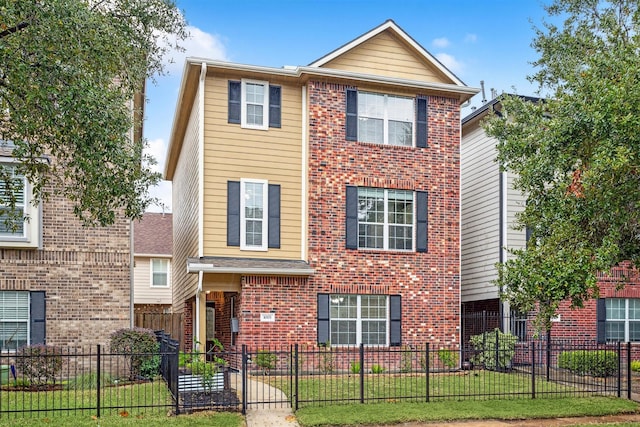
(201, 400)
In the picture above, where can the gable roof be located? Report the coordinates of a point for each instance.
(153, 234)
(391, 26)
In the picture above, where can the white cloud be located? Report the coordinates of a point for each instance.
(450, 62)
(470, 38)
(200, 44)
(441, 42)
(158, 148)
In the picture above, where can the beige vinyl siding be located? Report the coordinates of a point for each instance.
(480, 183)
(143, 292)
(232, 153)
(516, 239)
(386, 55)
(185, 214)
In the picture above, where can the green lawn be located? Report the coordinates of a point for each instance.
(395, 413)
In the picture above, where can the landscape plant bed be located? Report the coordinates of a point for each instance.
(226, 400)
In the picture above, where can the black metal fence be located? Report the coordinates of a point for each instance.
(98, 382)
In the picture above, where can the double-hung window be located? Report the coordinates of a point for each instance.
(14, 320)
(19, 224)
(159, 273)
(254, 104)
(386, 119)
(622, 321)
(386, 219)
(253, 214)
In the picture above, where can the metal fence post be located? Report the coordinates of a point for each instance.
(361, 373)
(244, 379)
(296, 378)
(98, 384)
(426, 371)
(619, 350)
(174, 374)
(629, 370)
(533, 370)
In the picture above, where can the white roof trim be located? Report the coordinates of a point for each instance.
(209, 268)
(389, 24)
(329, 72)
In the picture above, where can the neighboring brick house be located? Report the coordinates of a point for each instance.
(152, 251)
(320, 203)
(489, 206)
(61, 283)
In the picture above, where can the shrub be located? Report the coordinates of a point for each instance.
(266, 360)
(354, 367)
(326, 364)
(140, 347)
(39, 364)
(377, 369)
(635, 365)
(88, 381)
(495, 349)
(406, 360)
(598, 363)
(449, 358)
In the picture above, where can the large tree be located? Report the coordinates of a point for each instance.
(576, 156)
(69, 72)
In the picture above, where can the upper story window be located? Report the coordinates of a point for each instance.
(386, 119)
(159, 273)
(20, 225)
(254, 104)
(253, 214)
(386, 219)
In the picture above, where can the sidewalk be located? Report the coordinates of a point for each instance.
(267, 414)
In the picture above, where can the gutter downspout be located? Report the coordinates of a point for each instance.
(504, 306)
(131, 283)
(203, 76)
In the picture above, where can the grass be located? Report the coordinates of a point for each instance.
(210, 419)
(401, 412)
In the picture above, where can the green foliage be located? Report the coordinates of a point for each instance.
(576, 156)
(354, 367)
(70, 102)
(495, 349)
(406, 360)
(39, 364)
(635, 365)
(377, 369)
(88, 381)
(448, 358)
(326, 363)
(140, 348)
(266, 360)
(598, 363)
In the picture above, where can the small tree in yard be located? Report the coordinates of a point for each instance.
(495, 349)
(39, 364)
(140, 348)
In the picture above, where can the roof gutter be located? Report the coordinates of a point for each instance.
(210, 268)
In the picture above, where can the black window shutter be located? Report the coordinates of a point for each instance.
(233, 213)
(601, 320)
(275, 106)
(351, 130)
(323, 319)
(235, 102)
(274, 216)
(37, 318)
(352, 217)
(395, 320)
(421, 123)
(422, 214)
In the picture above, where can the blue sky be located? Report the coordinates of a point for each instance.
(477, 40)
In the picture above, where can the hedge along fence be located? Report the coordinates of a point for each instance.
(598, 363)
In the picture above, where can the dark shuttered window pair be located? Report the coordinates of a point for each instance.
(352, 117)
(235, 104)
(343, 330)
(360, 231)
(235, 216)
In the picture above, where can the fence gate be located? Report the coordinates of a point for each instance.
(265, 375)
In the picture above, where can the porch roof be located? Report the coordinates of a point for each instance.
(285, 267)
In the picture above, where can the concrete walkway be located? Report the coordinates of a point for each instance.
(271, 414)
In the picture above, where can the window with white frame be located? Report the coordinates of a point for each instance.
(20, 224)
(255, 104)
(385, 119)
(385, 219)
(14, 320)
(159, 273)
(254, 214)
(622, 319)
(356, 319)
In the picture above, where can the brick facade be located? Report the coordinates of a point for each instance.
(84, 271)
(429, 283)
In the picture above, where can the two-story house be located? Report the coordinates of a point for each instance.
(152, 251)
(319, 203)
(489, 208)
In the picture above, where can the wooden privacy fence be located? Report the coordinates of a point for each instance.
(171, 323)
